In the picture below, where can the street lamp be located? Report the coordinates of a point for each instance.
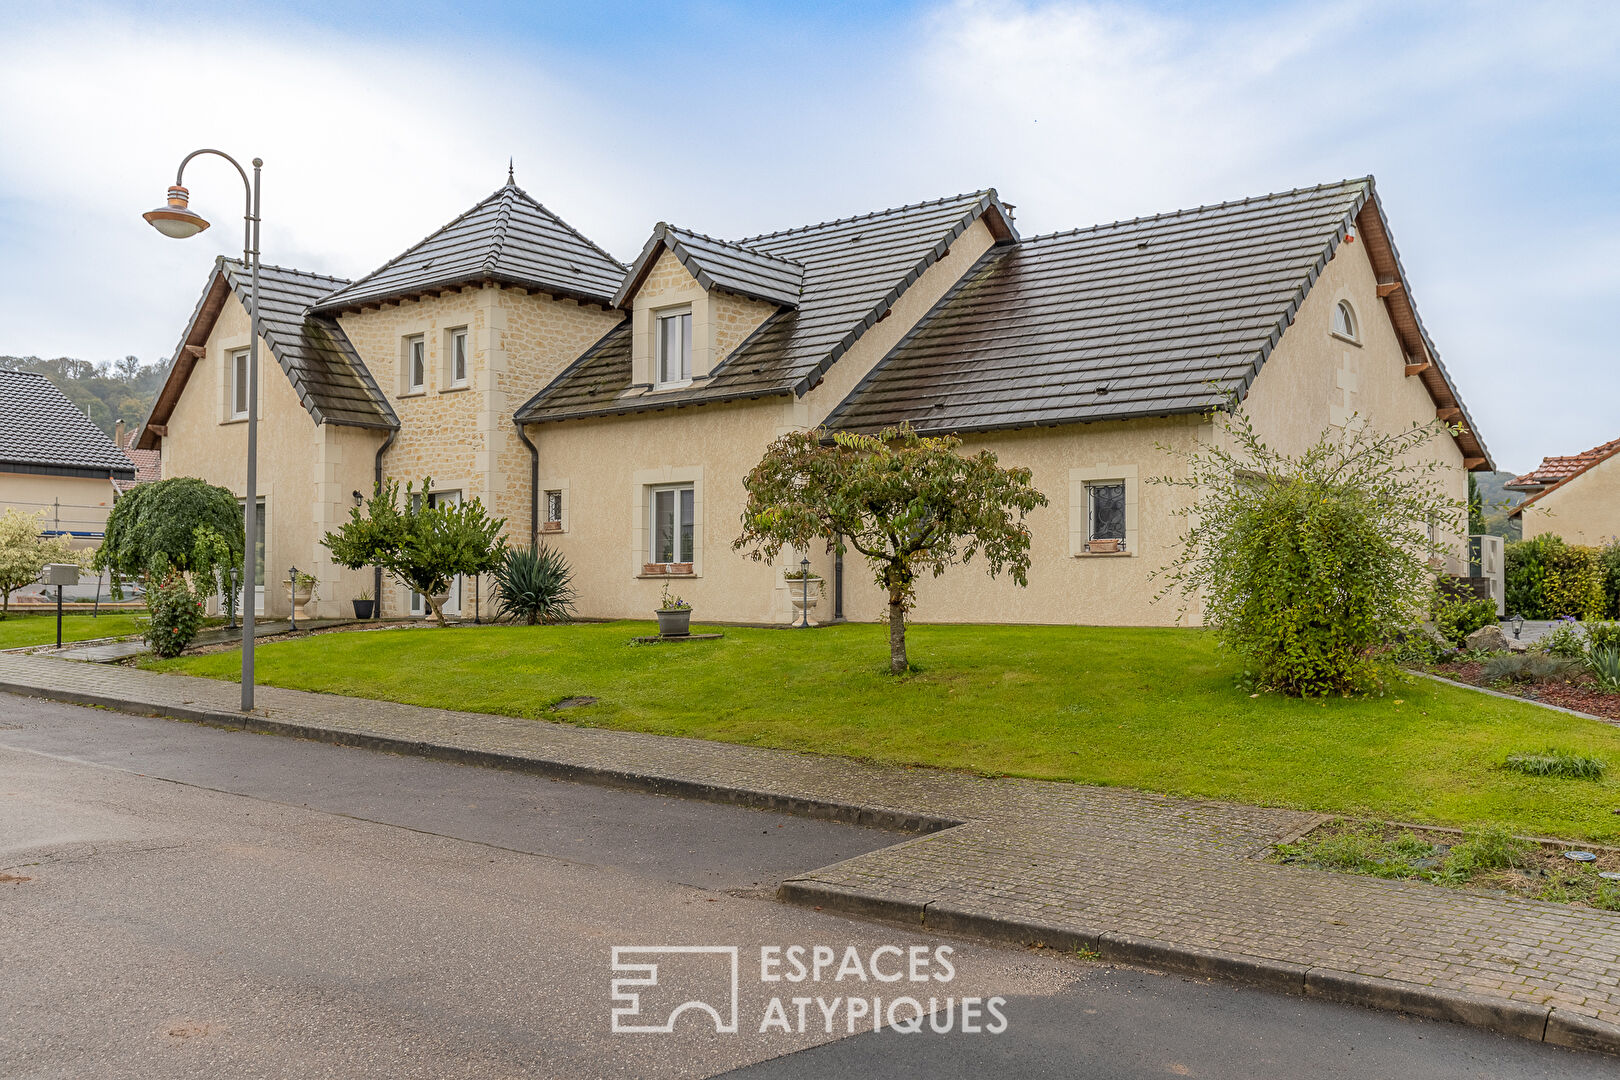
(804, 578)
(176, 219)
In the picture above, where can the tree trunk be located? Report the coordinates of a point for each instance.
(898, 664)
(433, 606)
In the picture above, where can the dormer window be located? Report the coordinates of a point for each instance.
(672, 346)
(1344, 321)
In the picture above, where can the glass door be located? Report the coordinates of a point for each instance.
(258, 563)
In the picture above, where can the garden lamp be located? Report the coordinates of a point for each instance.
(177, 220)
(804, 577)
(292, 597)
(1518, 624)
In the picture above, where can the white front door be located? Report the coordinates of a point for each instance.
(452, 606)
(258, 565)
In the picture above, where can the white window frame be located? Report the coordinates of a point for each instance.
(240, 382)
(675, 491)
(456, 349)
(683, 377)
(1081, 481)
(413, 384)
(1352, 331)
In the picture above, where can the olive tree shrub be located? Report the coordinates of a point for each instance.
(25, 550)
(1305, 564)
(422, 546)
(909, 503)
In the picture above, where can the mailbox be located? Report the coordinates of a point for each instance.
(60, 574)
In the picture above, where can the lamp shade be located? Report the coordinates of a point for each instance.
(174, 219)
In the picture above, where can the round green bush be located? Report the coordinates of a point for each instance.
(177, 615)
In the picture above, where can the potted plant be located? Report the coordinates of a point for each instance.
(364, 605)
(674, 616)
(1104, 547)
(806, 588)
(302, 592)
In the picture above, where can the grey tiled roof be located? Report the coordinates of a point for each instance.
(1136, 318)
(324, 368)
(42, 431)
(854, 271)
(507, 237)
(718, 264)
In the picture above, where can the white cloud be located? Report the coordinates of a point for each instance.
(1490, 128)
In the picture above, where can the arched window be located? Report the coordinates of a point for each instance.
(1344, 321)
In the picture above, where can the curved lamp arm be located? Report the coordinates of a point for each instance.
(248, 215)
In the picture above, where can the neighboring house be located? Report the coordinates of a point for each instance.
(613, 411)
(1575, 497)
(148, 463)
(52, 458)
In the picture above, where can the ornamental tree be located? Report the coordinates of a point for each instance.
(181, 525)
(911, 504)
(1305, 564)
(422, 546)
(24, 552)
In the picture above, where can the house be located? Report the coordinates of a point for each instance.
(148, 463)
(1576, 497)
(53, 459)
(612, 411)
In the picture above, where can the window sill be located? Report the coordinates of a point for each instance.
(1104, 554)
(414, 393)
(667, 570)
(659, 388)
(234, 420)
(1346, 340)
(456, 389)
(552, 528)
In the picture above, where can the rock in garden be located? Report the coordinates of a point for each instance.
(1489, 638)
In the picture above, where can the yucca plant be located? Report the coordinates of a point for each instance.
(534, 585)
(1604, 663)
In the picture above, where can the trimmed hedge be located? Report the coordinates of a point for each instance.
(1549, 579)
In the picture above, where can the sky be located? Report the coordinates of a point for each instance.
(1493, 130)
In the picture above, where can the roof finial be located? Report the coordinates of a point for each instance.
(509, 171)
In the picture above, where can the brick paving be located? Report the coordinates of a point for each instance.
(1133, 875)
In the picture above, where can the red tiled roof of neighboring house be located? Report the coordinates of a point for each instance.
(148, 464)
(1555, 472)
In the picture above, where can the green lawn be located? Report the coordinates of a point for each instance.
(1149, 708)
(40, 629)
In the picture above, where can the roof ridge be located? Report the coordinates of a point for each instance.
(502, 220)
(981, 193)
(407, 249)
(738, 245)
(1199, 209)
(287, 270)
(581, 237)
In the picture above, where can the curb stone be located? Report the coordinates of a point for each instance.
(871, 817)
(1538, 1022)
(1535, 1022)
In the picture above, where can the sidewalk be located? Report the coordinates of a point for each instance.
(1140, 878)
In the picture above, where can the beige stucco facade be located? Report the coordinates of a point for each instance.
(1585, 509)
(1312, 381)
(70, 504)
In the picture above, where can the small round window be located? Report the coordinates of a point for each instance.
(1344, 320)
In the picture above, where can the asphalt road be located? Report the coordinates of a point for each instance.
(186, 902)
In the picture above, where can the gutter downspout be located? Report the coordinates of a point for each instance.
(534, 483)
(376, 571)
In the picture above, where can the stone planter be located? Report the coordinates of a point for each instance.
(364, 609)
(804, 599)
(674, 622)
(439, 600)
(300, 597)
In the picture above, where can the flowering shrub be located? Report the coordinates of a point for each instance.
(177, 615)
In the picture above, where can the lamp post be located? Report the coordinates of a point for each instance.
(292, 597)
(174, 219)
(804, 578)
